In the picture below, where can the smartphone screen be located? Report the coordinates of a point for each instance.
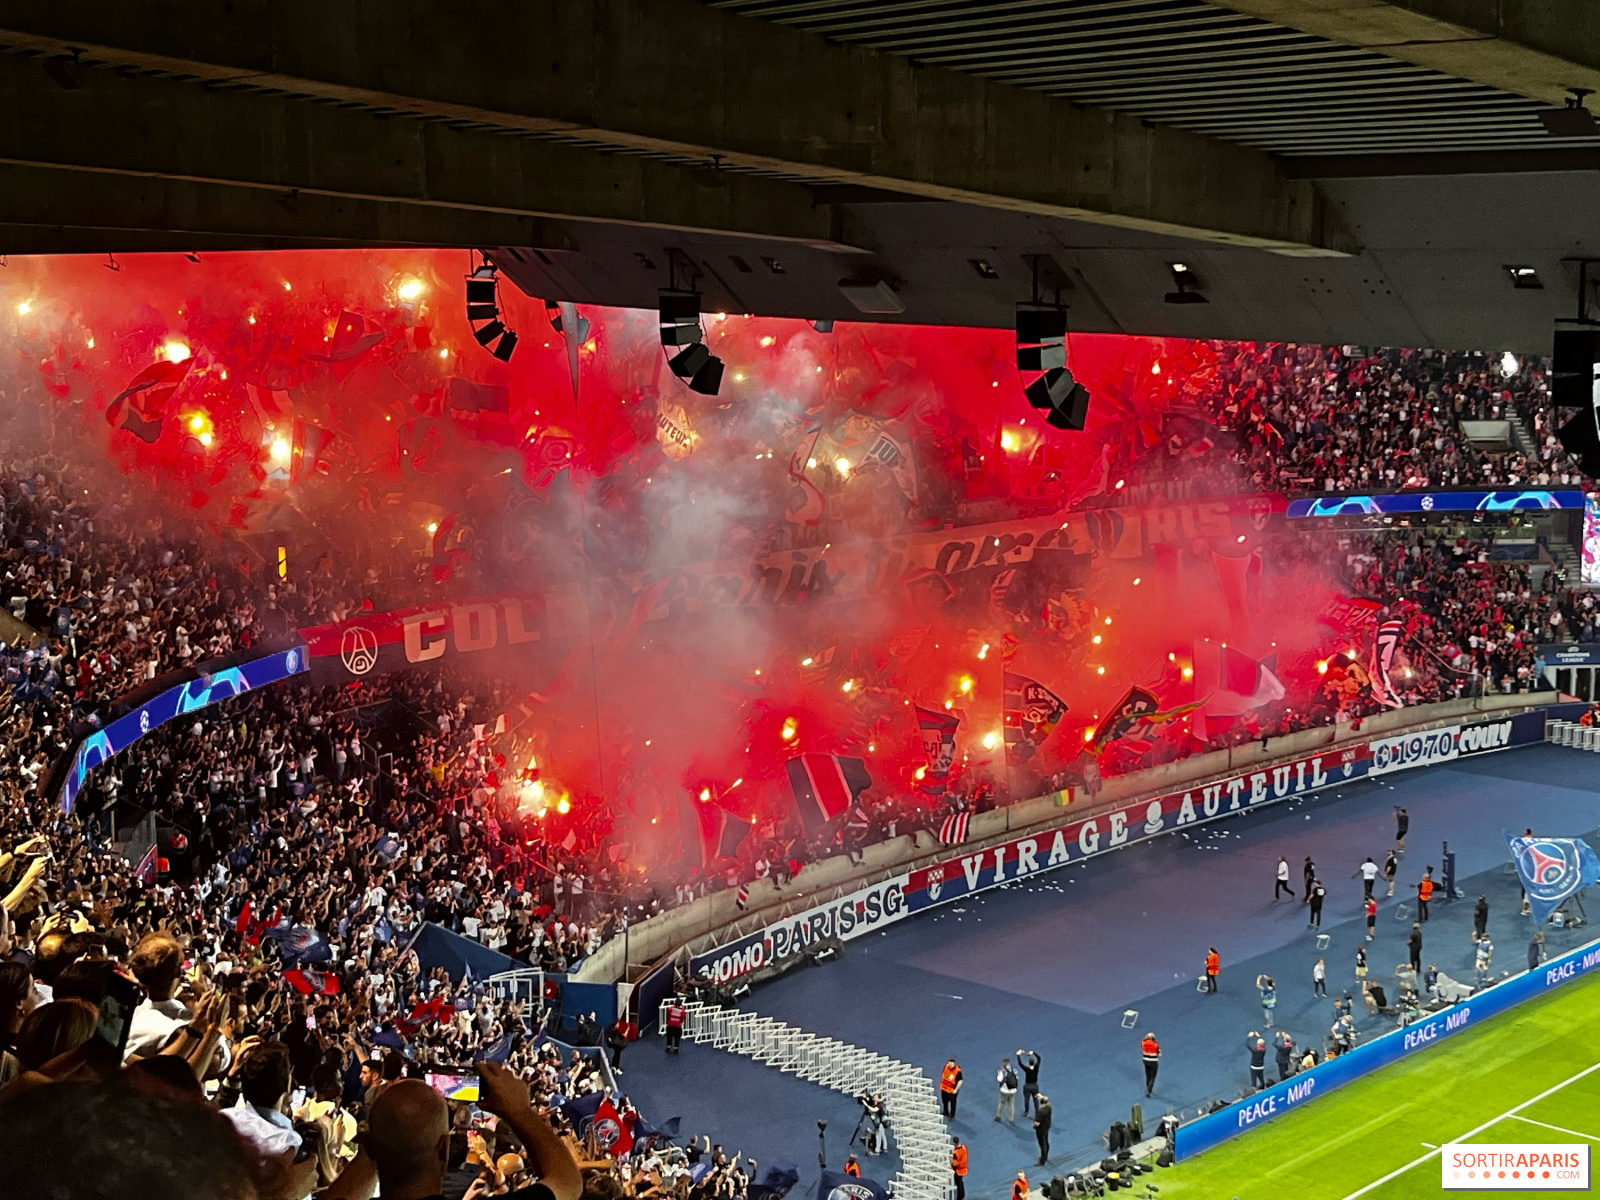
(454, 1083)
(116, 1011)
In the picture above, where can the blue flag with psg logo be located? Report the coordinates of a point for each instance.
(836, 1185)
(1551, 869)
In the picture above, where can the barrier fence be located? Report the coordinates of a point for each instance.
(911, 1103)
(1570, 733)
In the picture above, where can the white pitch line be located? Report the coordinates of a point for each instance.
(1558, 1128)
(1395, 1174)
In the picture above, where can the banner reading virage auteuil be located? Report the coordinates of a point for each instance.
(1051, 848)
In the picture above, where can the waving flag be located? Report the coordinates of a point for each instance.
(300, 944)
(939, 744)
(351, 338)
(953, 830)
(825, 786)
(311, 983)
(1347, 613)
(806, 506)
(1244, 684)
(717, 832)
(498, 1050)
(1136, 703)
(1384, 646)
(1551, 869)
(613, 1132)
(1031, 712)
(836, 1185)
(146, 398)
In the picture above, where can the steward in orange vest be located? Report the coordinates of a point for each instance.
(1152, 1061)
(958, 1168)
(949, 1086)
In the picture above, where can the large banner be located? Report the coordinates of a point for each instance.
(207, 688)
(846, 918)
(1207, 1131)
(1433, 746)
(964, 875)
(934, 564)
(1077, 840)
(376, 643)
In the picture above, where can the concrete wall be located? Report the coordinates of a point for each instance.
(715, 919)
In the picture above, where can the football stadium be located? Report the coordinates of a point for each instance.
(991, 600)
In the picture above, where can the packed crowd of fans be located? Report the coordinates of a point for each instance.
(309, 833)
(1306, 419)
(272, 948)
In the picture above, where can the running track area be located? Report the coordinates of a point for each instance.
(1051, 964)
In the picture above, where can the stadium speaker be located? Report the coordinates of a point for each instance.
(1575, 383)
(1042, 349)
(483, 313)
(680, 328)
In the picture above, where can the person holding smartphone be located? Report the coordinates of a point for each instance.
(407, 1146)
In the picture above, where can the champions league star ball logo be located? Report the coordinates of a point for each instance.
(1550, 870)
(358, 650)
(144, 720)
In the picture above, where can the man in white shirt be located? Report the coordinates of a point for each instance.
(157, 964)
(1369, 874)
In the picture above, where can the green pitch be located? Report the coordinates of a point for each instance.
(1510, 1080)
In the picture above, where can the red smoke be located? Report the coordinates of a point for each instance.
(358, 350)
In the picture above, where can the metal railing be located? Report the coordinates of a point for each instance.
(1570, 733)
(911, 1104)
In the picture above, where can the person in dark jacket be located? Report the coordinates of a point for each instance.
(1480, 918)
(617, 1042)
(1402, 823)
(1535, 950)
(1284, 1045)
(1029, 1061)
(1318, 894)
(1414, 945)
(1043, 1114)
(1310, 873)
(1257, 1046)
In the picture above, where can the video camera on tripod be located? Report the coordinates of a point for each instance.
(870, 1125)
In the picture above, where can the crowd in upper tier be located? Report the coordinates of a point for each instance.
(1305, 419)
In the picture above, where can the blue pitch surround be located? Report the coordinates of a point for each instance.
(1050, 965)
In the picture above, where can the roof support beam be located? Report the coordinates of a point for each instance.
(1534, 48)
(131, 151)
(676, 77)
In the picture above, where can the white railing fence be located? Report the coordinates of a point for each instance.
(911, 1103)
(1570, 733)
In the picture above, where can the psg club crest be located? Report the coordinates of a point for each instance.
(606, 1132)
(851, 1191)
(1548, 867)
(1552, 869)
(358, 650)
